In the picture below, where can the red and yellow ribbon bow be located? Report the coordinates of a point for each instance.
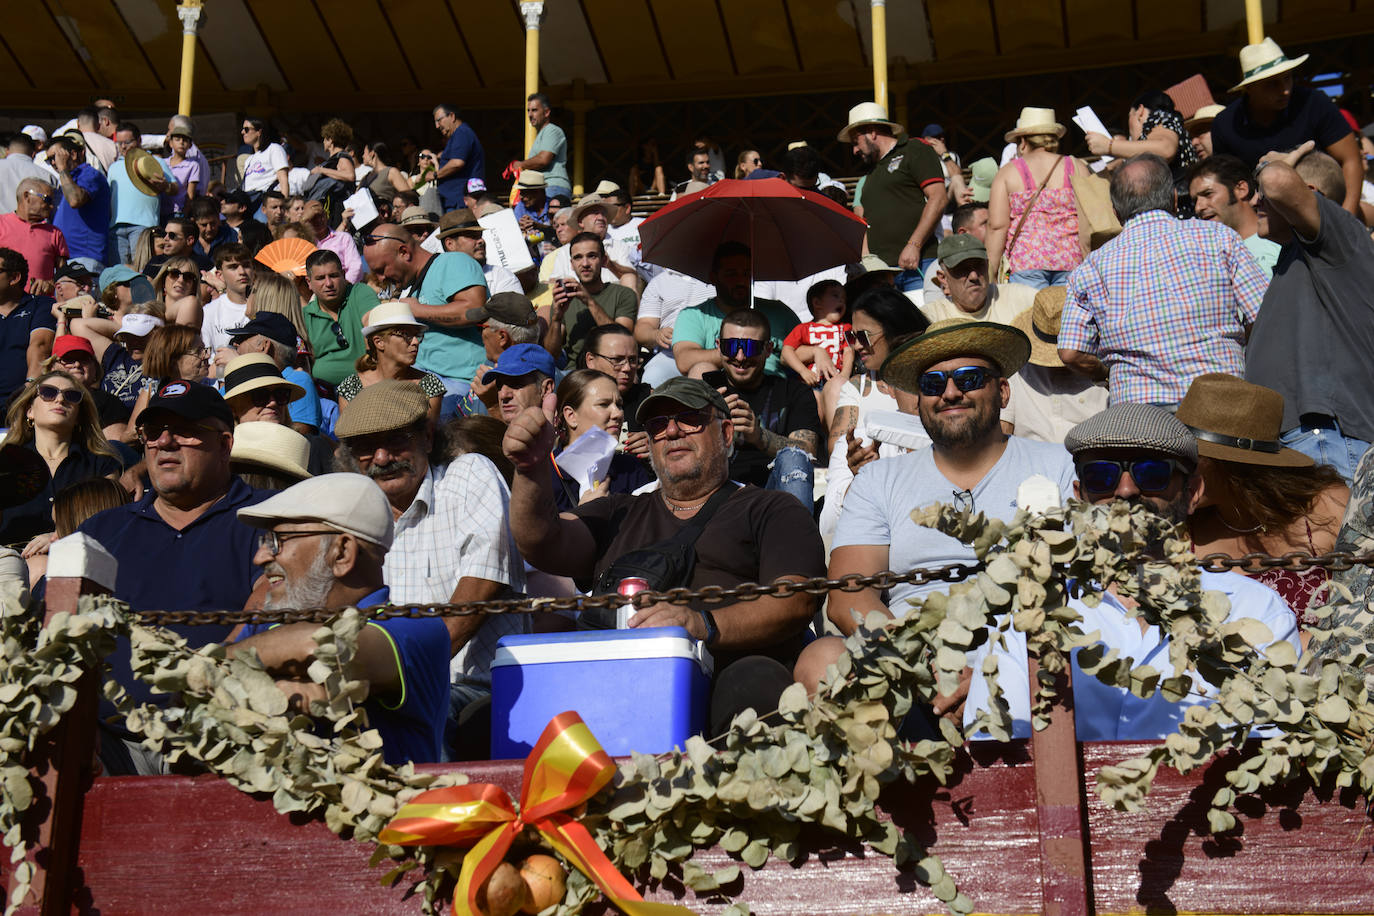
(566, 767)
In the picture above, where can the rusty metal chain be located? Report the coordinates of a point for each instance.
(716, 594)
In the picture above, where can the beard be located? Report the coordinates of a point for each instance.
(310, 589)
(960, 432)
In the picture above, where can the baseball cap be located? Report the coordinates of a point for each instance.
(476, 185)
(984, 171)
(1142, 427)
(238, 196)
(71, 343)
(689, 392)
(190, 401)
(511, 308)
(382, 407)
(135, 325)
(960, 247)
(272, 325)
(351, 503)
(521, 359)
(34, 133)
(73, 270)
(932, 130)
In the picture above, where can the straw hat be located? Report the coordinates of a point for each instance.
(1034, 121)
(418, 216)
(1040, 324)
(1261, 61)
(1003, 346)
(389, 315)
(606, 187)
(864, 114)
(142, 167)
(271, 446)
(253, 371)
(1203, 117)
(587, 203)
(1235, 420)
(530, 179)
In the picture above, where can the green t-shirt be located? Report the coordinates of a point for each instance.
(894, 197)
(335, 362)
(551, 139)
(615, 300)
(700, 324)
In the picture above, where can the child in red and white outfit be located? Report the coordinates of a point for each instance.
(816, 349)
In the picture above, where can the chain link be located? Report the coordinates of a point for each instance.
(716, 594)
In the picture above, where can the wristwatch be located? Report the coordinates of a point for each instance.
(708, 620)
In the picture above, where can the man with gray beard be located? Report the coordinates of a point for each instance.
(323, 544)
(452, 541)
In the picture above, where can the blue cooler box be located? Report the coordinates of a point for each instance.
(638, 690)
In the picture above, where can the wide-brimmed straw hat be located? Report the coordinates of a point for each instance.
(864, 114)
(142, 166)
(252, 371)
(271, 446)
(1236, 420)
(1040, 324)
(1203, 117)
(1034, 121)
(1002, 345)
(1261, 61)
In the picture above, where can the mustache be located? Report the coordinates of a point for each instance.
(390, 470)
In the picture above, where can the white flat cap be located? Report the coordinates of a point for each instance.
(351, 503)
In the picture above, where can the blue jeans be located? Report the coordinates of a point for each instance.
(1320, 439)
(461, 696)
(792, 473)
(1039, 279)
(908, 280)
(124, 238)
(457, 389)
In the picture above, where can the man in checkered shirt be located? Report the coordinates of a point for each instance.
(1165, 301)
(453, 541)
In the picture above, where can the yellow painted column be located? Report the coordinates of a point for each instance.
(189, 11)
(878, 10)
(531, 11)
(1254, 20)
(579, 107)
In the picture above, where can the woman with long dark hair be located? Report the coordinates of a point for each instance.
(1154, 126)
(386, 178)
(266, 166)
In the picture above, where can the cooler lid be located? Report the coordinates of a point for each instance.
(599, 645)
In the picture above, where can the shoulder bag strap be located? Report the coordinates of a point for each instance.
(692, 530)
(1030, 205)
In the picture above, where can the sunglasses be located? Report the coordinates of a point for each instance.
(46, 198)
(1151, 475)
(339, 337)
(183, 433)
(51, 393)
(688, 421)
(407, 334)
(730, 347)
(966, 378)
(261, 397)
(861, 339)
(378, 239)
(172, 235)
(174, 274)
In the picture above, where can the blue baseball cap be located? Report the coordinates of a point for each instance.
(522, 359)
(933, 130)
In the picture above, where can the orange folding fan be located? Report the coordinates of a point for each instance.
(286, 256)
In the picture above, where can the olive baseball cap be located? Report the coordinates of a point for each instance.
(960, 247)
(689, 392)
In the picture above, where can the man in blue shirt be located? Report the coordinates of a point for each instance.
(83, 214)
(322, 544)
(180, 547)
(447, 292)
(27, 325)
(461, 159)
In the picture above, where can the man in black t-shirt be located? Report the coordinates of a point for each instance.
(1272, 115)
(775, 417)
(753, 536)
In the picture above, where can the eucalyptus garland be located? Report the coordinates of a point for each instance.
(819, 762)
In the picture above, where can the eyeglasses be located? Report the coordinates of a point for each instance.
(51, 393)
(407, 334)
(861, 339)
(688, 421)
(620, 362)
(174, 274)
(378, 239)
(966, 378)
(261, 397)
(200, 353)
(730, 347)
(271, 541)
(183, 433)
(1151, 475)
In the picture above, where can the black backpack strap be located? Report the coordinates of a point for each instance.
(696, 524)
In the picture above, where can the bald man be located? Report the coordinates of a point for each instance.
(29, 231)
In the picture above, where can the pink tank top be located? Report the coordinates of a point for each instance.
(1049, 238)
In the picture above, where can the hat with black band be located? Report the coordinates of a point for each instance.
(1236, 420)
(252, 371)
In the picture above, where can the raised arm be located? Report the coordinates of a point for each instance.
(557, 544)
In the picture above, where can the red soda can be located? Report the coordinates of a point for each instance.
(629, 586)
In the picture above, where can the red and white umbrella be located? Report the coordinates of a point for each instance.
(792, 233)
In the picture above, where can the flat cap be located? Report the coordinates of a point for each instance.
(382, 407)
(1140, 427)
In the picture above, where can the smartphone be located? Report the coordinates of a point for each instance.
(716, 378)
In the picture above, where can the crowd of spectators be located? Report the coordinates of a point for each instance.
(252, 396)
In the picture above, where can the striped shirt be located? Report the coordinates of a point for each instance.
(1164, 302)
(458, 525)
